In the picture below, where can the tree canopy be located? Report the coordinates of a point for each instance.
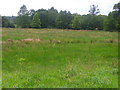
(94, 10)
(51, 18)
(36, 23)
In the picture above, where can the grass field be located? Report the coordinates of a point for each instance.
(55, 58)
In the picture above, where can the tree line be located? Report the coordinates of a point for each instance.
(51, 18)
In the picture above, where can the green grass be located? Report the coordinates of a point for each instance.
(62, 59)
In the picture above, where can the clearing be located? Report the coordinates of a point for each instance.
(56, 58)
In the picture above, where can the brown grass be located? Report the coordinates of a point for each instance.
(31, 40)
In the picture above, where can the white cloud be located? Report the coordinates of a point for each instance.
(11, 7)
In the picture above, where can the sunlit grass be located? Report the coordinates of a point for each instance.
(62, 59)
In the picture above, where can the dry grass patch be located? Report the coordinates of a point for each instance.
(31, 40)
(18, 41)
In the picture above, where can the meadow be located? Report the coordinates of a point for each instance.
(56, 58)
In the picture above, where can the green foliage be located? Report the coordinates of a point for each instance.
(76, 22)
(101, 21)
(89, 22)
(7, 23)
(52, 15)
(112, 21)
(43, 15)
(117, 7)
(51, 18)
(0, 21)
(118, 23)
(64, 20)
(117, 15)
(36, 23)
(31, 12)
(23, 10)
(23, 21)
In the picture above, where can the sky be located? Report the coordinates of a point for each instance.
(11, 7)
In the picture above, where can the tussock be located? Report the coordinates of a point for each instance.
(31, 40)
(18, 41)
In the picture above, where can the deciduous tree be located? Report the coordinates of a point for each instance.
(36, 23)
(94, 10)
(23, 19)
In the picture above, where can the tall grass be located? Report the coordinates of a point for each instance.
(62, 59)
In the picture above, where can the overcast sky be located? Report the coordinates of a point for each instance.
(11, 7)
